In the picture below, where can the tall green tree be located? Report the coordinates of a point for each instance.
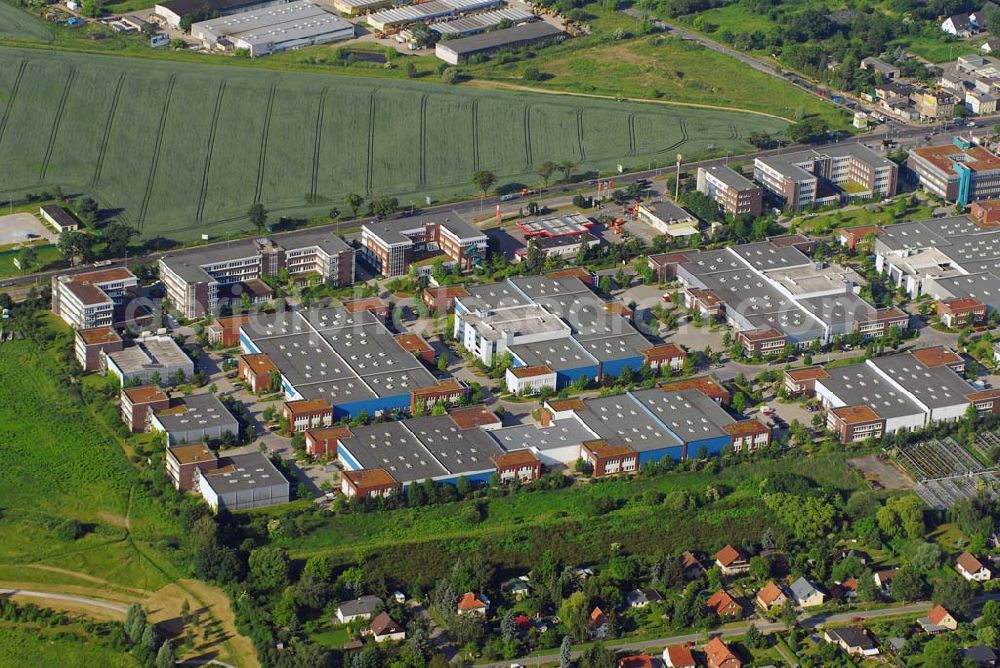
(354, 201)
(546, 170)
(257, 215)
(484, 180)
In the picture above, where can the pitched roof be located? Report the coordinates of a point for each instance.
(363, 605)
(469, 601)
(719, 653)
(769, 593)
(938, 614)
(384, 625)
(721, 600)
(597, 617)
(680, 656)
(636, 661)
(727, 555)
(969, 562)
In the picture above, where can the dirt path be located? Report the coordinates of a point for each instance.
(490, 84)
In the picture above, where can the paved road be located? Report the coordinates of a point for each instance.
(69, 598)
(806, 621)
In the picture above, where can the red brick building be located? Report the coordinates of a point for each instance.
(139, 403)
(307, 414)
(802, 382)
(475, 417)
(415, 344)
(987, 402)
(703, 384)
(985, 212)
(850, 237)
(256, 370)
(934, 356)
(957, 313)
(520, 465)
(323, 442)
(763, 342)
(225, 332)
(441, 300)
(91, 342)
(748, 435)
(855, 423)
(447, 392)
(669, 354)
(374, 482)
(184, 460)
(609, 459)
(377, 306)
(878, 322)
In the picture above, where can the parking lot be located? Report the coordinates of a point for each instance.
(19, 228)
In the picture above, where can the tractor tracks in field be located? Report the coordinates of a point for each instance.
(106, 137)
(371, 144)
(422, 177)
(13, 97)
(527, 136)
(631, 134)
(262, 156)
(157, 144)
(475, 135)
(56, 122)
(579, 134)
(200, 212)
(317, 153)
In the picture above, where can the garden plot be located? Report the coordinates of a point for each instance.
(946, 472)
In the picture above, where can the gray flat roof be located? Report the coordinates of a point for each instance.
(730, 177)
(458, 450)
(493, 296)
(558, 355)
(500, 38)
(559, 434)
(623, 418)
(689, 414)
(984, 286)
(710, 262)
(935, 387)
(334, 354)
(149, 354)
(861, 385)
(668, 211)
(197, 411)
(536, 287)
(764, 256)
(252, 470)
(393, 447)
(845, 308)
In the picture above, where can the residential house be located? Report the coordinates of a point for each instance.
(362, 607)
(640, 598)
(691, 566)
(517, 588)
(990, 46)
(635, 661)
(471, 604)
(854, 640)
(770, 596)
(732, 562)
(806, 595)
(597, 624)
(938, 620)
(679, 656)
(960, 25)
(970, 568)
(980, 656)
(880, 67)
(718, 655)
(725, 605)
(385, 629)
(883, 579)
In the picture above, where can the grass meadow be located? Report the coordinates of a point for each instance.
(22, 645)
(183, 148)
(516, 528)
(18, 24)
(60, 461)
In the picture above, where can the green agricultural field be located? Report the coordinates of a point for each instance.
(46, 647)
(59, 461)
(18, 24)
(184, 148)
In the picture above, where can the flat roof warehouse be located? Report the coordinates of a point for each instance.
(273, 29)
